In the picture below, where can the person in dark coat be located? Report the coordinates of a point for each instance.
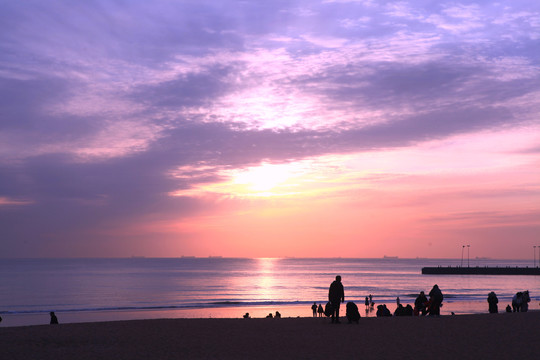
(336, 295)
(435, 298)
(493, 301)
(420, 304)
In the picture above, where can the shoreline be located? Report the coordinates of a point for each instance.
(480, 336)
(229, 312)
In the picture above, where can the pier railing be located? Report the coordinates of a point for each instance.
(487, 270)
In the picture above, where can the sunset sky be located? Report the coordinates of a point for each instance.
(269, 128)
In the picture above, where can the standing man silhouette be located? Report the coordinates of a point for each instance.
(336, 294)
(314, 309)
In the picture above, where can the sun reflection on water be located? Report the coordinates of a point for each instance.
(266, 279)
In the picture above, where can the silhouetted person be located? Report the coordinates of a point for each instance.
(493, 301)
(269, 316)
(399, 310)
(420, 304)
(516, 301)
(314, 308)
(366, 302)
(246, 316)
(508, 308)
(408, 310)
(525, 299)
(383, 311)
(320, 310)
(54, 319)
(352, 312)
(435, 299)
(278, 315)
(397, 301)
(336, 294)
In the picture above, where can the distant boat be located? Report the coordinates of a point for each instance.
(390, 257)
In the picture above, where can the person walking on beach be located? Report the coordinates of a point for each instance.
(367, 304)
(336, 294)
(314, 308)
(320, 310)
(435, 298)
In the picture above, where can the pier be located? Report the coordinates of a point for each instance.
(487, 270)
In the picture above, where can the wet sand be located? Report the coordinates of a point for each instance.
(486, 336)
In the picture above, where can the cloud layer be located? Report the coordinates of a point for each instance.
(119, 120)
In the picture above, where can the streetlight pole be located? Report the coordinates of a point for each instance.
(534, 253)
(462, 249)
(468, 249)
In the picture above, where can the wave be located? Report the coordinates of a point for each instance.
(408, 298)
(159, 307)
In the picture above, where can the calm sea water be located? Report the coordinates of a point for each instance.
(38, 286)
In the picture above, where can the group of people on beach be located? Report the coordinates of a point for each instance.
(429, 305)
(520, 302)
(336, 296)
(424, 305)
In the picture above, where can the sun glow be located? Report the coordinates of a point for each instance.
(266, 177)
(307, 177)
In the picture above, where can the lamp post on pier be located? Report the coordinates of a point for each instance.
(534, 254)
(462, 249)
(468, 249)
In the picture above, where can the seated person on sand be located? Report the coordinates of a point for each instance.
(269, 316)
(408, 310)
(382, 311)
(54, 319)
(352, 312)
(399, 310)
(246, 316)
(278, 315)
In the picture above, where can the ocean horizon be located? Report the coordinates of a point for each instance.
(97, 289)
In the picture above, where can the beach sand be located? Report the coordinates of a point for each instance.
(487, 336)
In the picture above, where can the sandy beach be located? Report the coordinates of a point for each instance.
(489, 336)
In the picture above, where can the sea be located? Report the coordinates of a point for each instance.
(108, 289)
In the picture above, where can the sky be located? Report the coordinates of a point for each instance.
(255, 128)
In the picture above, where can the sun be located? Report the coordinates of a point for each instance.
(264, 178)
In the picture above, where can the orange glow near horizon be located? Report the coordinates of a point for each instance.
(374, 203)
